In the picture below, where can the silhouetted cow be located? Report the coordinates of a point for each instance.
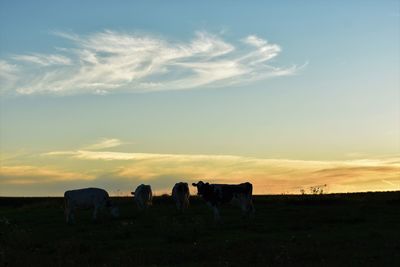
(85, 198)
(180, 194)
(143, 196)
(216, 194)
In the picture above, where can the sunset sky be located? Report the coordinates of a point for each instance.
(283, 94)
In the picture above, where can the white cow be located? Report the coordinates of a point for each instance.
(86, 198)
(143, 196)
(181, 194)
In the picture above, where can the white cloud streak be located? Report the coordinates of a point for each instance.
(8, 76)
(105, 143)
(108, 155)
(110, 61)
(44, 60)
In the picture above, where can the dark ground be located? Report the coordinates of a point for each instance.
(323, 230)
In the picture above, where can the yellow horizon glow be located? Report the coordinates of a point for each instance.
(124, 171)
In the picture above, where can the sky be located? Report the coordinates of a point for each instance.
(284, 94)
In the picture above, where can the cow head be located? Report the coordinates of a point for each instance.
(201, 187)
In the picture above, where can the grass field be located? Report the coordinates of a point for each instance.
(326, 230)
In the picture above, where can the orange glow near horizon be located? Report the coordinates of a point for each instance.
(120, 172)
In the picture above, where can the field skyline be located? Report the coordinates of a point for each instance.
(284, 96)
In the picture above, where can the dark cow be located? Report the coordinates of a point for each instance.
(143, 196)
(216, 194)
(181, 194)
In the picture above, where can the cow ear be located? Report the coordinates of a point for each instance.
(194, 184)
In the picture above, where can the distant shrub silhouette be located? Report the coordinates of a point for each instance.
(317, 190)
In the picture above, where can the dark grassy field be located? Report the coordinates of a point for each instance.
(327, 230)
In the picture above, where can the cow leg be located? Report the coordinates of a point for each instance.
(95, 211)
(249, 208)
(217, 216)
(67, 210)
(180, 205)
(67, 214)
(71, 215)
(243, 202)
(243, 205)
(215, 210)
(252, 209)
(246, 205)
(139, 204)
(185, 204)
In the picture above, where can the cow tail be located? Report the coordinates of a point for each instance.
(250, 188)
(252, 210)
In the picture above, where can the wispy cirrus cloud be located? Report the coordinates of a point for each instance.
(111, 61)
(8, 76)
(105, 143)
(7, 68)
(43, 59)
(116, 156)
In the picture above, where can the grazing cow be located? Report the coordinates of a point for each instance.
(86, 198)
(143, 196)
(216, 194)
(180, 194)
